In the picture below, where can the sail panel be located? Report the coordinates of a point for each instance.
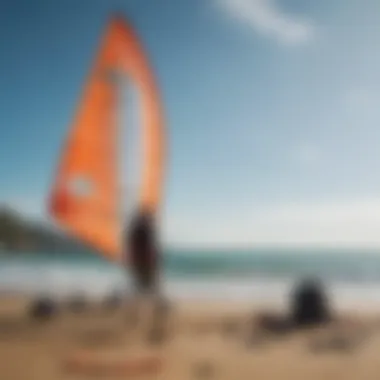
(86, 194)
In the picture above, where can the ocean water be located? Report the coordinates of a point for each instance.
(261, 276)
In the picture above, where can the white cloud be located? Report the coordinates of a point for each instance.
(265, 17)
(338, 223)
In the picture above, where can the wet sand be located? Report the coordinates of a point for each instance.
(201, 341)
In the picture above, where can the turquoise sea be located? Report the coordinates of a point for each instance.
(267, 276)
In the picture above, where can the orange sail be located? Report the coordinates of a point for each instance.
(86, 194)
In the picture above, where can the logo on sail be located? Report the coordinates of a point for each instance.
(81, 186)
(113, 76)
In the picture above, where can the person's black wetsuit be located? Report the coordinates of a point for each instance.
(142, 250)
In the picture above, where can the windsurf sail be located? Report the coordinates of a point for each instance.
(86, 195)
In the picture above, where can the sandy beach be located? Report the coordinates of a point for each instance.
(202, 340)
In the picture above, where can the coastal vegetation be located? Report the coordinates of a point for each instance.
(20, 234)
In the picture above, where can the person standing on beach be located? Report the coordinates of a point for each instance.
(143, 254)
(144, 258)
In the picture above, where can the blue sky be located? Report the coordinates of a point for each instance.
(272, 111)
